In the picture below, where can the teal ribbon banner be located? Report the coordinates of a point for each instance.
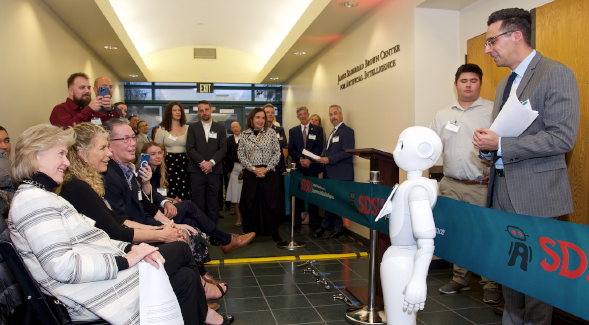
(543, 258)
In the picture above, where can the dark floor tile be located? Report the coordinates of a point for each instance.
(331, 267)
(296, 316)
(246, 304)
(233, 271)
(329, 313)
(254, 318)
(341, 276)
(281, 290)
(247, 281)
(318, 250)
(432, 306)
(255, 266)
(243, 292)
(273, 270)
(440, 271)
(314, 288)
(442, 318)
(443, 277)
(319, 262)
(325, 299)
(361, 260)
(458, 301)
(350, 283)
(341, 249)
(433, 281)
(284, 302)
(483, 315)
(303, 277)
(338, 322)
(479, 296)
(274, 279)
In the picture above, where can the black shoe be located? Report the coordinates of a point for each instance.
(276, 237)
(336, 234)
(215, 242)
(319, 233)
(221, 216)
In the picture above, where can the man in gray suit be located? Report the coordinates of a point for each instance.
(206, 145)
(142, 139)
(529, 173)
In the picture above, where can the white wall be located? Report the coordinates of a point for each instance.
(39, 52)
(473, 19)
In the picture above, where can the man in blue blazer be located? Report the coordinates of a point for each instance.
(338, 165)
(310, 137)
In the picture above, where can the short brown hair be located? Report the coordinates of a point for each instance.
(206, 102)
(70, 80)
(34, 140)
(250, 118)
(318, 118)
(167, 118)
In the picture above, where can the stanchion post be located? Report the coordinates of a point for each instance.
(369, 314)
(292, 244)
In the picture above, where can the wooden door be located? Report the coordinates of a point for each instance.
(561, 32)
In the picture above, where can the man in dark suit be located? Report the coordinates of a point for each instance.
(270, 116)
(529, 173)
(310, 137)
(206, 145)
(338, 165)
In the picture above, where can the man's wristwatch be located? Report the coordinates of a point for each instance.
(254, 169)
(167, 201)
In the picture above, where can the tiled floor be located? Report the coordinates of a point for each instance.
(281, 293)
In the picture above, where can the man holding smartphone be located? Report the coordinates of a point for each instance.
(79, 107)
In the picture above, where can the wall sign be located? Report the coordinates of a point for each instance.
(204, 88)
(362, 69)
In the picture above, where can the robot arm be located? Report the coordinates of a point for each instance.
(424, 229)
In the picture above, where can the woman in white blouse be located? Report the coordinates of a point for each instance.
(172, 134)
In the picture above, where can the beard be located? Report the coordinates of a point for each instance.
(84, 100)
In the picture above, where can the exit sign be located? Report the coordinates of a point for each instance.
(204, 88)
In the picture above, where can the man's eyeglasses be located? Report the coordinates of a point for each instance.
(126, 139)
(491, 40)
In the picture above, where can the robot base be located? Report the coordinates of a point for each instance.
(362, 316)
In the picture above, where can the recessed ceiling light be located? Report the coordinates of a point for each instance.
(108, 47)
(133, 75)
(300, 53)
(273, 78)
(348, 4)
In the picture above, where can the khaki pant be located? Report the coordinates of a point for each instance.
(473, 194)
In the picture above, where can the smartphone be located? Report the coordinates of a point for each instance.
(144, 160)
(103, 91)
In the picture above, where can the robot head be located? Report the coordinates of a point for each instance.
(418, 148)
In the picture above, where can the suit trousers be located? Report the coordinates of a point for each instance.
(519, 309)
(205, 192)
(314, 218)
(474, 194)
(190, 214)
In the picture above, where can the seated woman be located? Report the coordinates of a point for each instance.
(93, 275)
(83, 187)
(188, 212)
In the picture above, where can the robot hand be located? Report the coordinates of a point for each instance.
(415, 293)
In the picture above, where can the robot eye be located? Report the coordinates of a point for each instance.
(399, 145)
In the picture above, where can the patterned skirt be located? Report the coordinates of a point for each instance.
(177, 165)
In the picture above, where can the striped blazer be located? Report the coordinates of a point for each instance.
(71, 259)
(535, 165)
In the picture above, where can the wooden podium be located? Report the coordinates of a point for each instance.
(384, 163)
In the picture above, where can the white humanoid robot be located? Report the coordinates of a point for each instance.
(405, 264)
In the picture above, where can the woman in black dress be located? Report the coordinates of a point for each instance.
(261, 204)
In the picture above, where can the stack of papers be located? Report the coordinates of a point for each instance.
(310, 154)
(514, 118)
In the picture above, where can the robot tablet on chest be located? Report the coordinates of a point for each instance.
(412, 229)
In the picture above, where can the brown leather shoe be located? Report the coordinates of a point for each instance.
(238, 241)
(209, 278)
(213, 305)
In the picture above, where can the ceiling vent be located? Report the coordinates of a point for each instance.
(205, 53)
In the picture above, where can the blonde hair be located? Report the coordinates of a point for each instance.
(86, 136)
(318, 119)
(163, 170)
(33, 141)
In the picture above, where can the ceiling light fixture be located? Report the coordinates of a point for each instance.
(273, 78)
(108, 47)
(133, 75)
(348, 4)
(300, 53)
